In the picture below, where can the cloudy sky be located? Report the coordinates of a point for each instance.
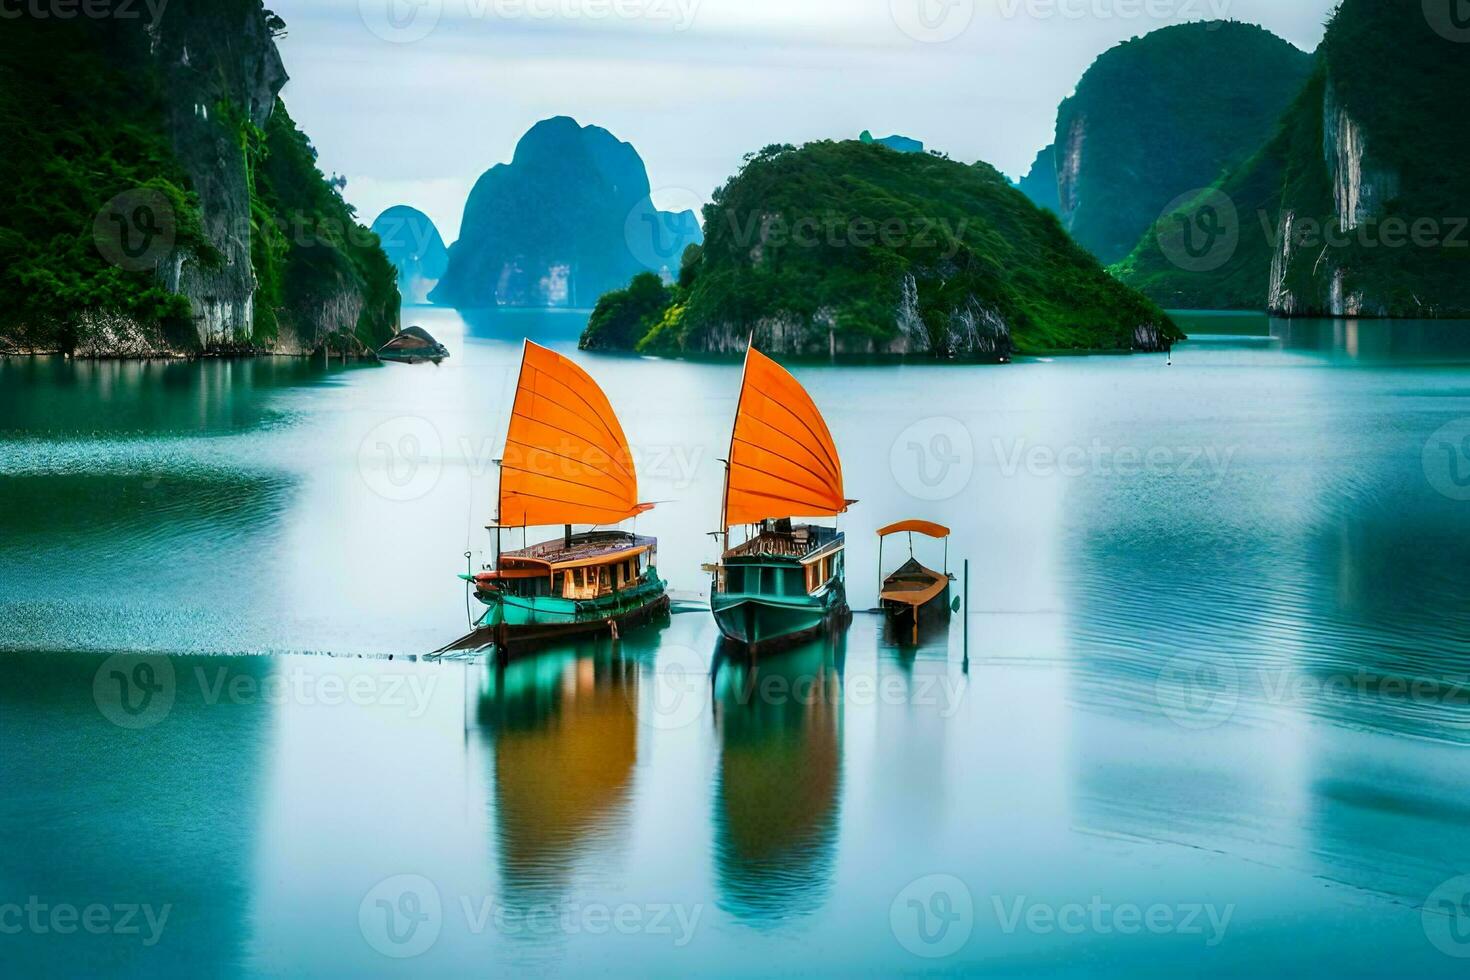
(412, 100)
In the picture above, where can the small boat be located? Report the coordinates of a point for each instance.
(913, 591)
(785, 582)
(566, 462)
(413, 345)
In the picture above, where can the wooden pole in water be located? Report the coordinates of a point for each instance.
(965, 611)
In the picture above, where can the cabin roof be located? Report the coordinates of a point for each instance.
(586, 549)
(928, 528)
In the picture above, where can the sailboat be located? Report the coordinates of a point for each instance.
(566, 462)
(785, 582)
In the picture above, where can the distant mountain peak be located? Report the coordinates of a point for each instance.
(903, 144)
(569, 218)
(414, 246)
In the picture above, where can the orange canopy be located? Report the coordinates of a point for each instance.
(928, 528)
(783, 462)
(566, 458)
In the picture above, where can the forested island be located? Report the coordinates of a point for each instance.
(853, 247)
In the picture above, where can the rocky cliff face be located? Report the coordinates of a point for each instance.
(1160, 116)
(1362, 188)
(199, 222)
(217, 61)
(568, 219)
(1069, 168)
(1356, 206)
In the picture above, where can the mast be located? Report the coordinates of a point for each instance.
(730, 454)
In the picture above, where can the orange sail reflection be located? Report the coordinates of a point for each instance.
(566, 458)
(565, 733)
(783, 462)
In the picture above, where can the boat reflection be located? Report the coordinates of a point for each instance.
(565, 742)
(780, 773)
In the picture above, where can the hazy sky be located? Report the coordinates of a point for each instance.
(412, 100)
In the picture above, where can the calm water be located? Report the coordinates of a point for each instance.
(1214, 719)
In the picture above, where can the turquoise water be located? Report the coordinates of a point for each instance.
(1214, 717)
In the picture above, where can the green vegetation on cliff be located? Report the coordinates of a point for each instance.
(308, 250)
(856, 248)
(1159, 116)
(1233, 273)
(79, 128)
(1358, 204)
(624, 317)
(141, 156)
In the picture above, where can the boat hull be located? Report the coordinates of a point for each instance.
(905, 619)
(759, 623)
(519, 624)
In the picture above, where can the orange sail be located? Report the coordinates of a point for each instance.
(783, 462)
(566, 458)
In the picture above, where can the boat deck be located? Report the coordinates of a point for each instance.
(585, 548)
(799, 542)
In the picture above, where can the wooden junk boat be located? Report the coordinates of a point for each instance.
(785, 582)
(913, 591)
(566, 462)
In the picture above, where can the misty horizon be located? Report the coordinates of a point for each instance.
(455, 84)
